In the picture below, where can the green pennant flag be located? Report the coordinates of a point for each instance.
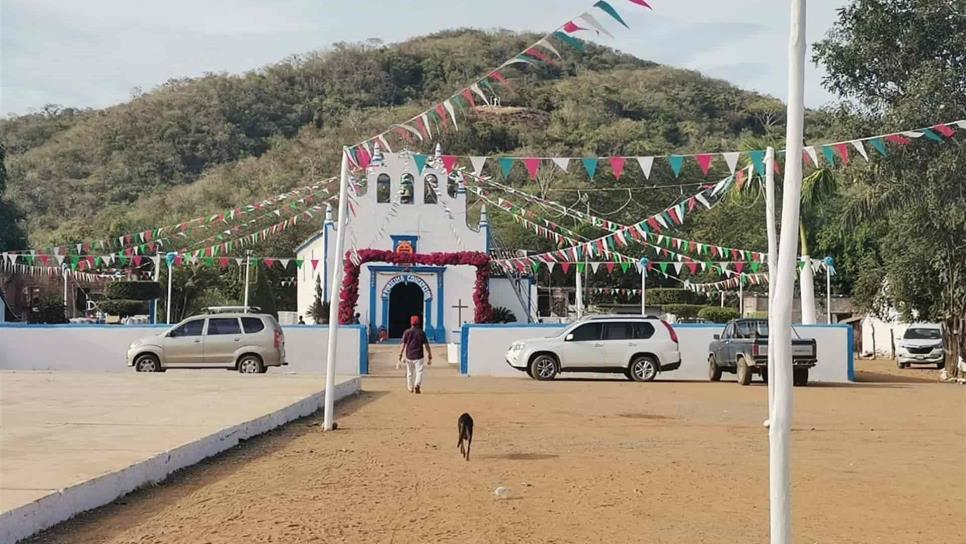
(757, 157)
(931, 135)
(581, 267)
(535, 265)
(755, 266)
(208, 261)
(121, 260)
(829, 154)
(97, 262)
(298, 263)
(506, 165)
(74, 259)
(143, 248)
(625, 266)
(676, 161)
(663, 266)
(879, 145)
(610, 243)
(590, 164)
(607, 8)
(572, 42)
(420, 161)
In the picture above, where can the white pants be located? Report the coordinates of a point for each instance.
(414, 373)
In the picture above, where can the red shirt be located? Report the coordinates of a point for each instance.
(414, 338)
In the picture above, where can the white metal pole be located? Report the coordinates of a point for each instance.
(167, 303)
(579, 299)
(64, 270)
(741, 296)
(780, 321)
(154, 303)
(248, 269)
(334, 292)
(643, 287)
(828, 293)
(772, 253)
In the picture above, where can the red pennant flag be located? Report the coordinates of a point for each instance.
(570, 27)
(617, 165)
(740, 179)
(944, 130)
(734, 254)
(777, 167)
(404, 134)
(692, 246)
(449, 161)
(136, 260)
(498, 76)
(807, 158)
(468, 95)
(704, 162)
(654, 224)
(610, 268)
(565, 267)
(315, 263)
(843, 150)
(538, 54)
(364, 159)
(692, 266)
(441, 111)
(268, 262)
(223, 262)
(674, 215)
(739, 266)
(533, 166)
(642, 3)
(898, 139)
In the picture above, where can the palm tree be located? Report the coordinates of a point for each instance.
(818, 188)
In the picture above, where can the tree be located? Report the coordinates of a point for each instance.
(900, 63)
(11, 235)
(319, 311)
(50, 310)
(262, 295)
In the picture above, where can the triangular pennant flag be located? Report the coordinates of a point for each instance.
(757, 157)
(829, 154)
(625, 266)
(268, 262)
(676, 161)
(879, 145)
(677, 267)
(857, 144)
(420, 161)
(449, 162)
(561, 162)
(594, 266)
(945, 130)
(449, 107)
(607, 8)
(506, 165)
(663, 266)
(581, 267)
(617, 165)
(704, 162)
(843, 150)
(535, 265)
(931, 135)
(731, 159)
(590, 164)
(284, 262)
(565, 267)
(533, 166)
(592, 22)
(646, 163)
(549, 47)
(810, 151)
(478, 163)
(569, 40)
(898, 139)
(572, 27)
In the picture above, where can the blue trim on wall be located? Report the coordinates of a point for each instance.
(440, 308)
(851, 353)
(11, 325)
(464, 349)
(363, 351)
(435, 332)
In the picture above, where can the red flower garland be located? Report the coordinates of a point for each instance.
(483, 312)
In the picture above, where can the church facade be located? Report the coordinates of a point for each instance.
(398, 207)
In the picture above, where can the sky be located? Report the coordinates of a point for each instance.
(94, 53)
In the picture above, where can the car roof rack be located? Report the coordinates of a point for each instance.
(230, 309)
(618, 316)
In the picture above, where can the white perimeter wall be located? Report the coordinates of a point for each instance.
(102, 348)
(501, 294)
(484, 347)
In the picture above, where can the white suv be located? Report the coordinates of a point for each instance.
(637, 346)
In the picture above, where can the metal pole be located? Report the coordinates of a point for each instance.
(741, 296)
(828, 294)
(248, 269)
(64, 270)
(780, 322)
(154, 303)
(167, 303)
(772, 253)
(334, 293)
(579, 299)
(643, 265)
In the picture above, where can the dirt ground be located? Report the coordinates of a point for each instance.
(586, 461)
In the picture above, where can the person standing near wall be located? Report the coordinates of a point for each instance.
(411, 353)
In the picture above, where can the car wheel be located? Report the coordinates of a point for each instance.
(940, 366)
(714, 371)
(543, 367)
(744, 372)
(800, 377)
(250, 364)
(147, 363)
(900, 365)
(643, 368)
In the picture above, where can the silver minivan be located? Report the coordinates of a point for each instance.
(248, 343)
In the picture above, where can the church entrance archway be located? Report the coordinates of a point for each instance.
(405, 301)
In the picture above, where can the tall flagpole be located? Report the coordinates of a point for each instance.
(780, 321)
(334, 292)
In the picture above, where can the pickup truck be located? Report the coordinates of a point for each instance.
(743, 349)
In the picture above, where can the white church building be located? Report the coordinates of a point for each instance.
(396, 207)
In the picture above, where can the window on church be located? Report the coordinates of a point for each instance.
(451, 187)
(383, 188)
(430, 187)
(407, 191)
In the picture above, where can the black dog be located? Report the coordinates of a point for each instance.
(465, 426)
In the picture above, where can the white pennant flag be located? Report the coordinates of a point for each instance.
(594, 266)
(479, 92)
(429, 127)
(677, 267)
(561, 162)
(961, 124)
(548, 46)
(595, 24)
(912, 134)
(704, 202)
(857, 144)
(646, 163)
(284, 262)
(449, 107)
(477, 163)
(731, 157)
(811, 154)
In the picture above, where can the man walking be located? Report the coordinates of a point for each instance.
(411, 353)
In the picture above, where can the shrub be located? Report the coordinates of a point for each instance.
(50, 310)
(663, 296)
(682, 310)
(123, 307)
(133, 290)
(716, 314)
(503, 314)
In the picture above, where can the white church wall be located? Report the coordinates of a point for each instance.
(502, 294)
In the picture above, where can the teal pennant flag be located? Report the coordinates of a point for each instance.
(590, 164)
(420, 161)
(676, 161)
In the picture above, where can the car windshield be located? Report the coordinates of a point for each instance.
(922, 334)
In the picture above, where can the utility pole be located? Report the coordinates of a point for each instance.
(248, 269)
(167, 303)
(334, 292)
(643, 265)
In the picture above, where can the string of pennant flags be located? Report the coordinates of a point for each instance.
(486, 89)
(834, 154)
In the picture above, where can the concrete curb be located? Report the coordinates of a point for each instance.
(29, 519)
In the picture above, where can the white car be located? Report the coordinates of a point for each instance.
(922, 343)
(637, 346)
